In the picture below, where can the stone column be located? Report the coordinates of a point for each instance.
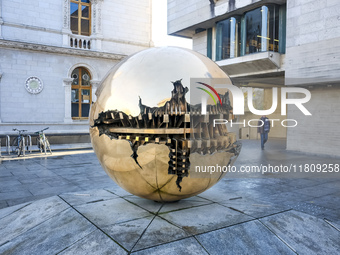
(67, 86)
(95, 85)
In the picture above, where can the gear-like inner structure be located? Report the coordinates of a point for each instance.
(177, 124)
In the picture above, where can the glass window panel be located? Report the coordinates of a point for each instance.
(80, 93)
(74, 25)
(74, 10)
(228, 38)
(75, 96)
(85, 78)
(222, 46)
(253, 31)
(235, 39)
(85, 96)
(85, 1)
(275, 21)
(75, 110)
(85, 11)
(262, 29)
(75, 76)
(85, 109)
(85, 27)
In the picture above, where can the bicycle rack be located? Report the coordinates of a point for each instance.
(8, 145)
(23, 145)
(29, 143)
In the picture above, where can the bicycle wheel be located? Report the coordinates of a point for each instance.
(39, 144)
(15, 145)
(20, 147)
(45, 145)
(48, 147)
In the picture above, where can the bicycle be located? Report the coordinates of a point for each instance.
(19, 143)
(42, 142)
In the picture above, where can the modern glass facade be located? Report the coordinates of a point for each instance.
(262, 29)
(259, 30)
(228, 38)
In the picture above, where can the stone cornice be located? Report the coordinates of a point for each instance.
(67, 31)
(58, 50)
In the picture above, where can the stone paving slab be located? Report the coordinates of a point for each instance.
(128, 233)
(113, 225)
(29, 216)
(146, 204)
(109, 212)
(246, 238)
(95, 243)
(158, 232)
(188, 246)
(90, 196)
(205, 218)
(51, 236)
(306, 234)
(9, 210)
(185, 203)
(102, 217)
(255, 208)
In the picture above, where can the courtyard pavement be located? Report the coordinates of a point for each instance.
(66, 204)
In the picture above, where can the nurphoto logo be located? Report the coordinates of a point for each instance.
(210, 88)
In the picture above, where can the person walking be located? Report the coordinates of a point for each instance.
(263, 128)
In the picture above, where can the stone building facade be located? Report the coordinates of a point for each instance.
(53, 55)
(274, 43)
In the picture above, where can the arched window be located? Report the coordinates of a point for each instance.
(81, 95)
(80, 17)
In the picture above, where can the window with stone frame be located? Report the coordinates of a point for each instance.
(80, 18)
(81, 93)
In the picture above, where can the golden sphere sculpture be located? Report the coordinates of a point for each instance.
(148, 136)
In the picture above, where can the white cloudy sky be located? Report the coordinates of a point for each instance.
(159, 27)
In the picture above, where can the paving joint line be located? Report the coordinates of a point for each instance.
(93, 224)
(331, 224)
(280, 238)
(140, 237)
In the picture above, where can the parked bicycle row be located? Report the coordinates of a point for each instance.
(22, 143)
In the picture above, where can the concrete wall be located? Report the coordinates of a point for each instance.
(318, 133)
(186, 13)
(182, 14)
(200, 43)
(313, 45)
(313, 58)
